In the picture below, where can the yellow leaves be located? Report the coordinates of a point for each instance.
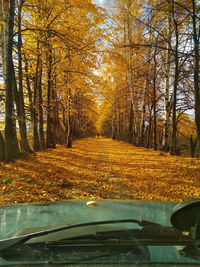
(99, 168)
(2, 22)
(185, 125)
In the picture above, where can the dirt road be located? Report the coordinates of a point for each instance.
(99, 168)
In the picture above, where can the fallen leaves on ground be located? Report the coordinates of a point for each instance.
(99, 169)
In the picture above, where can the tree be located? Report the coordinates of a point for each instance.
(2, 148)
(167, 100)
(11, 142)
(19, 93)
(196, 30)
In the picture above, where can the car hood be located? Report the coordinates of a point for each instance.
(14, 218)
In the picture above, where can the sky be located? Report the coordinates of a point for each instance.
(98, 2)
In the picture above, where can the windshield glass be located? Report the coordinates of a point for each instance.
(99, 131)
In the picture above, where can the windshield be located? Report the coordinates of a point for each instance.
(99, 123)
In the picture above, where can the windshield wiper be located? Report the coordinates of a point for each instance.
(7, 243)
(150, 234)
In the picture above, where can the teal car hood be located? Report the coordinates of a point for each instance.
(14, 218)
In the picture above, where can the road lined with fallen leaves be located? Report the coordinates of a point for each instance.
(99, 169)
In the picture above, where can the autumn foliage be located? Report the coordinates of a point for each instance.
(48, 63)
(128, 70)
(99, 169)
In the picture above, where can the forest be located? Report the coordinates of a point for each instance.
(128, 70)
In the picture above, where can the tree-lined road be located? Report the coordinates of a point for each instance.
(100, 168)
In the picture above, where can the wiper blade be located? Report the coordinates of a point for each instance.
(148, 235)
(7, 243)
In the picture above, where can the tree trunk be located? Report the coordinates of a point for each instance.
(154, 105)
(30, 95)
(142, 124)
(36, 141)
(176, 76)
(2, 36)
(143, 111)
(2, 148)
(114, 121)
(196, 71)
(57, 128)
(149, 135)
(19, 101)
(19, 96)
(131, 115)
(129, 52)
(11, 143)
(119, 125)
(69, 132)
(192, 146)
(40, 107)
(167, 104)
(50, 105)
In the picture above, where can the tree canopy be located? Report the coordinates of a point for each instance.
(126, 69)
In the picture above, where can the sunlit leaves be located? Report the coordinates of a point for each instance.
(100, 168)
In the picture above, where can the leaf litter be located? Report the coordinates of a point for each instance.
(99, 169)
